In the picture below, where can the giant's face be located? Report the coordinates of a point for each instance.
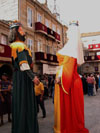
(20, 30)
(21, 34)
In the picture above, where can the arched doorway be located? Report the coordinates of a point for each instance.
(8, 69)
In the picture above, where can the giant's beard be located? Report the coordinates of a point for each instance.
(21, 37)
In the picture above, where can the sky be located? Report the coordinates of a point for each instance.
(87, 12)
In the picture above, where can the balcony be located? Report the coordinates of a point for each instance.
(45, 57)
(92, 58)
(41, 28)
(94, 47)
(5, 53)
(57, 37)
(51, 33)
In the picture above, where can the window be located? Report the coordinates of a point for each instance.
(39, 18)
(30, 44)
(47, 49)
(29, 17)
(86, 53)
(47, 22)
(4, 39)
(54, 50)
(53, 27)
(39, 46)
(58, 31)
(91, 53)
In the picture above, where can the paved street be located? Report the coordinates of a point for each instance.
(92, 116)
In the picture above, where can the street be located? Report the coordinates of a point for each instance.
(92, 116)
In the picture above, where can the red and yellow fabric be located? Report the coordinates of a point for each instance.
(68, 101)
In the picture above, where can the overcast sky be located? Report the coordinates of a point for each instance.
(87, 12)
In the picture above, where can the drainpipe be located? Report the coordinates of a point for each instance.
(19, 9)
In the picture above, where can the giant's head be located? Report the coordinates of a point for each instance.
(16, 32)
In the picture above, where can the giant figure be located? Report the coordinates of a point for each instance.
(24, 114)
(68, 100)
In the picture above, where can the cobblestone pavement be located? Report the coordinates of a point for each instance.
(92, 112)
(92, 116)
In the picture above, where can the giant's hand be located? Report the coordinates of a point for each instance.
(58, 80)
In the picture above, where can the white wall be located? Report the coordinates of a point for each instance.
(9, 9)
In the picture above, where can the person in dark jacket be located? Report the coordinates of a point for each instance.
(5, 87)
(85, 85)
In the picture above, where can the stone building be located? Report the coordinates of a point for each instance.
(91, 43)
(5, 50)
(4, 31)
(45, 35)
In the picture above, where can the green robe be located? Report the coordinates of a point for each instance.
(24, 113)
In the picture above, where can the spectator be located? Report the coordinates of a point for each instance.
(53, 85)
(5, 86)
(97, 81)
(45, 82)
(94, 86)
(84, 82)
(90, 81)
(49, 86)
(1, 108)
(39, 92)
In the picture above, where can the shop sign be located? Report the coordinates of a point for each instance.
(49, 69)
(98, 53)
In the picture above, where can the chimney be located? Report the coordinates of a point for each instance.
(46, 3)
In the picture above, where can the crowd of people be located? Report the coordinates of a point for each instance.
(44, 89)
(91, 83)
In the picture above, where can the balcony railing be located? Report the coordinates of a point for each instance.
(57, 37)
(94, 46)
(39, 27)
(92, 58)
(51, 33)
(45, 57)
(5, 53)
